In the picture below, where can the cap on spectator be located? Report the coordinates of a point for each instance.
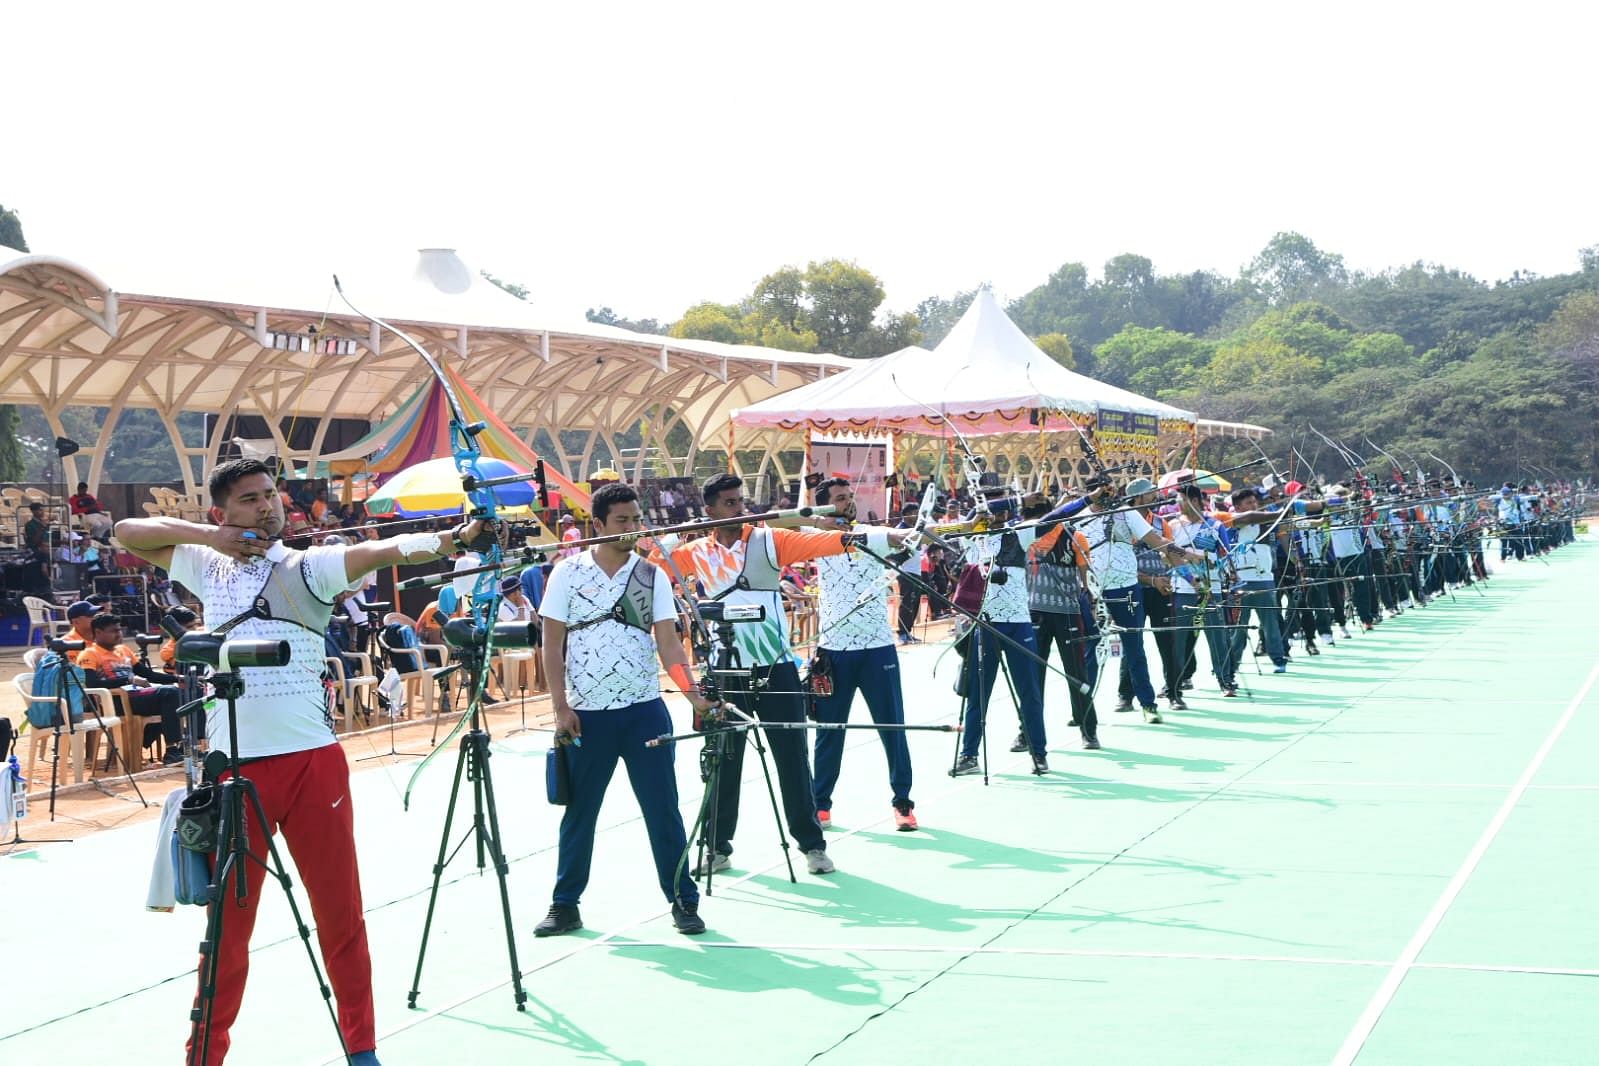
(1140, 485)
(510, 584)
(82, 609)
(567, 519)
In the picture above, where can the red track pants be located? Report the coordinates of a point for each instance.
(306, 795)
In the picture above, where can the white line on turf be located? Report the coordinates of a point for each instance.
(1407, 959)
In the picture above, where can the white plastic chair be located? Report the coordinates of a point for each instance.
(45, 617)
(77, 738)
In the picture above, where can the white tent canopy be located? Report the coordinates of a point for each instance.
(987, 376)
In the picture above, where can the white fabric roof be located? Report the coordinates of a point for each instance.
(987, 376)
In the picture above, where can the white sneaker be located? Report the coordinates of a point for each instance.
(718, 864)
(817, 862)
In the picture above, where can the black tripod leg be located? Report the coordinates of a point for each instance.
(438, 872)
(490, 835)
(200, 1016)
(771, 793)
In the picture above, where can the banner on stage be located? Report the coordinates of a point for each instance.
(865, 464)
(1128, 431)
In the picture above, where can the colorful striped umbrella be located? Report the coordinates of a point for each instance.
(434, 488)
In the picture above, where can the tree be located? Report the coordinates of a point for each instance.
(782, 297)
(1058, 347)
(713, 322)
(606, 317)
(936, 316)
(843, 299)
(1151, 360)
(11, 230)
(1291, 268)
(12, 464)
(519, 291)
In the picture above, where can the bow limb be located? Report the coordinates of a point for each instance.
(466, 452)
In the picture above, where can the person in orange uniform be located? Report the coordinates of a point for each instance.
(743, 565)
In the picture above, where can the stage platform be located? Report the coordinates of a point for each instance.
(1384, 856)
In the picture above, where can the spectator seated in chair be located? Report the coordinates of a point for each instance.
(95, 517)
(109, 663)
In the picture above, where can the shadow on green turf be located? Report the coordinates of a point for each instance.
(1077, 787)
(552, 1028)
(756, 970)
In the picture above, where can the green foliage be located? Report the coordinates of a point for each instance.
(11, 230)
(830, 306)
(13, 464)
(606, 317)
(1151, 360)
(1058, 347)
(521, 292)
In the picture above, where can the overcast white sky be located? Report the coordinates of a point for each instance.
(649, 156)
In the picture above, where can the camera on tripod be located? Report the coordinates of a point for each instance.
(144, 640)
(729, 613)
(223, 655)
(62, 647)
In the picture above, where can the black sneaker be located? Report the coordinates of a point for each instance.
(686, 917)
(172, 757)
(1040, 765)
(1187, 684)
(1090, 743)
(1123, 704)
(1020, 743)
(966, 764)
(1179, 704)
(563, 918)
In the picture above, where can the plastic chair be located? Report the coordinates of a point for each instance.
(418, 681)
(79, 753)
(45, 617)
(349, 688)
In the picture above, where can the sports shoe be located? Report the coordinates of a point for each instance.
(1090, 743)
(1020, 743)
(686, 917)
(1280, 668)
(1073, 722)
(1162, 694)
(966, 764)
(1178, 704)
(824, 819)
(1152, 715)
(817, 862)
(718, 864)
(905, 819)
(1230, 691)
(1188, 683)
(563, 918)
(1040, 765)
(173, 756)
(1124, 703)
(1343, 631)
(1311, 649)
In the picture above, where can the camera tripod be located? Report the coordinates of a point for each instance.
(472, 765)
(232, 855)
(703, 834)
(68, 681)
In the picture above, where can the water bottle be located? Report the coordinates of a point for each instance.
(1115, 645)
